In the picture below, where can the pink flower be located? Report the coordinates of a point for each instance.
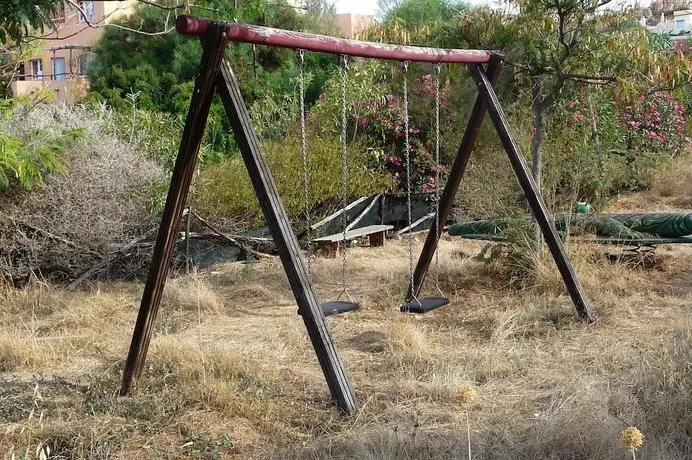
(571, 104)
(579, 117)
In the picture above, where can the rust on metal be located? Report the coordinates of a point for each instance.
(245, 33)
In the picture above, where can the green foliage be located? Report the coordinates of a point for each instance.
(25, 160)
(272, 115)
(225, 189)
(660, 41)
(364, 83)
(17, 17)
(160, 70)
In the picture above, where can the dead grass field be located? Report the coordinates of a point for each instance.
(231, 373)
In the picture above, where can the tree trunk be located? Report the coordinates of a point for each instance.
(596, 146)
(539, 120)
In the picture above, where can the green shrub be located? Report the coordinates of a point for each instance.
(27, 157)
(224, 189)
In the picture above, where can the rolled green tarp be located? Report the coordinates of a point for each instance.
(595, 224)
(625, 226)
(665, 224)
(484, 227)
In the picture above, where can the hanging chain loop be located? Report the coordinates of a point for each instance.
(407, 160)
(300, 54)
(437, 177)
(344, 176)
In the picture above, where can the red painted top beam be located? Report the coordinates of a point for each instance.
(244, 33)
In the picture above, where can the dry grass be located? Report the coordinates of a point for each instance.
(670, 191)
(231, 373)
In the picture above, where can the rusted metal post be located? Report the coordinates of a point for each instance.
(456, 173)
(285, 240)
(177, 195)
(533, 196)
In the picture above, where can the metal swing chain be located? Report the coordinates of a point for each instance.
(437, 177)
(344, 174)
(407, 159)
(304, 153)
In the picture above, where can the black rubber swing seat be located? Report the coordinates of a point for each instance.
(423, 305)
(338, 306)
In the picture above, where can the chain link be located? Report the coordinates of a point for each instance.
(344, 170)
(437, 177)
(407, 159)
(304, 151)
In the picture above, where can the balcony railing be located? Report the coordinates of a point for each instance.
(49, 77)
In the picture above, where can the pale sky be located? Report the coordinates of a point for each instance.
(356, 6)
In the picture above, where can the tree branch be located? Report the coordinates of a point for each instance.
(88, 22)
(594, 78)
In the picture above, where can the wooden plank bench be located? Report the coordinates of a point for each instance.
(329, 245)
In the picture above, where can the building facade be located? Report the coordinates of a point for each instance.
(678, 24)
(65, 52)
(350, 23)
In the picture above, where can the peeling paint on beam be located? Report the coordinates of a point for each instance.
(244, 33)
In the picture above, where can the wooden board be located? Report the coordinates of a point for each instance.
(456, 173)
(175, 202)
(353, 234)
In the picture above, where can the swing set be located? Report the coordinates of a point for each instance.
(215, 73)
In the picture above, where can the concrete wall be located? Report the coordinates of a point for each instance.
(67, 91)
(350, 23)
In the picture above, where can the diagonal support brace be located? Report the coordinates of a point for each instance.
(532, 193)
(285, 240)
(172, 212)
(456, 173)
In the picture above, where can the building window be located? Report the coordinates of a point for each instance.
(88, 12)
(59, 68)
(680, 24)
(84, 62)
(37, 69)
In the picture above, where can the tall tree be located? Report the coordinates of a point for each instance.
(555, 43)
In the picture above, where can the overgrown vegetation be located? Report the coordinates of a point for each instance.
(79, 183)
(26, 156)
(67, 222)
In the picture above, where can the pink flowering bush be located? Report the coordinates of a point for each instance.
(655, 123)
(384, 123)
(633, 139)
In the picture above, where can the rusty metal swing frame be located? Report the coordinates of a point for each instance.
(215, 73)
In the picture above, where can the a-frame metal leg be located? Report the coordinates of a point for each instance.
(177, 195)
(454, 178)
(533, 196)
(285, 240)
